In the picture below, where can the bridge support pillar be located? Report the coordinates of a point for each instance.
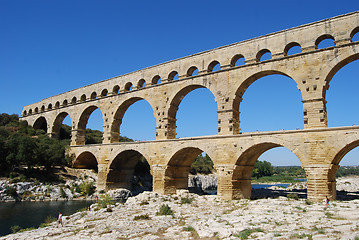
(233, 181)
(159, 180)
(101, 176)
(77, 137)
(315, 113)
(321, 181)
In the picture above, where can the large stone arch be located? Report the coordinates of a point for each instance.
(41, 123)
(241, 176)
(178, 167)
(249, 80)
(174, 104)
(122, 170)
(56, 125)
(82, 123)
(118, 116)
(86, 160)
(335, 65)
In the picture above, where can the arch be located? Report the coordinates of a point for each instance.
(73, 100)
(353, 35)
(93, 95)
(128, 86)
(49, 106)
(172, 111)
(40, 123)
(120, 112)
(178, 167)
(156, 80)
(57, 104)
(173, 75)
(261, 53)
(322, 38)
(36, 110)
(81, 125)
(291, 46)
(342, 152)
(214, 66)
(128, 168)
(141, 83)
(64, 103)
(236, 59)
(241, 178)
(333, 69)
(86, 160)
(116, 89)
(83, 98)
(43, 108)
(191, 71)
(56, 126)
(104, 92)
(248, 82)
(30, 111)
(24, 113)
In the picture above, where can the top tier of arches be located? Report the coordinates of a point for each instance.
(308, 38)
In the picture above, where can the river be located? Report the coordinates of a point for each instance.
(32, 214)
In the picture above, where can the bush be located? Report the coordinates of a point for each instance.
(142, 217)
(87, 188)
(292, 196)
(11, 191)
(15, 228)
(104, 200)
(62, 193)
(165, 210)
(187, 200)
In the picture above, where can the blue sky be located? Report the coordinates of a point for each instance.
(50, 47)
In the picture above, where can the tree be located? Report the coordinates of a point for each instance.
(262, 169)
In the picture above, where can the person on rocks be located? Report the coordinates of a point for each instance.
(59, 220)
(327, 201)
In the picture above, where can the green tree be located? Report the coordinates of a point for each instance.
(262, 169)
(202, 164)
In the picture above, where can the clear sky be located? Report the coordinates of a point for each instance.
(50, 47)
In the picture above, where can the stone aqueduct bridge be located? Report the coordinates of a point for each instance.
(318, 147)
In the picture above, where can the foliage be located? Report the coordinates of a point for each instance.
(244, 234)
(15, 228)
(165, 210)
(11, 191)
(93, 136)
(186, 200)
(87, 188)
(104, 200)
(202, 164)
(262, 169)
(142, 217)
(347, 171)
(293, 196)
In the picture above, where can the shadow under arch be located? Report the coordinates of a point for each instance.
(241, 178)
(129, 170)
(118, 117)
(56, 126)
(173, 109)
(86, 160)
(247, 83)
(178, 169)
(40, 123)
(81, 125)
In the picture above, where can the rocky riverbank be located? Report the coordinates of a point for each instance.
(193, 216)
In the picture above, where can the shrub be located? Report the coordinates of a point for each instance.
(87, 188)
(11, 191)
(165, 210)
(187, 200)
(104, 200)
(142, 217)
(292, 196)
(189, 229)
(62, 193)
(15, 228)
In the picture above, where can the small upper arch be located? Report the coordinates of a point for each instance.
(83, 98)
(49, 106)
(354, 35)
(214, 66)
(261, 55)
(173, 75)
(24, 113)
(192, 71)
(93, 95)
(104, 92)
(64, 103)
(74, 100)
(141, 83)
(320, 41)
(237, 60)
(156, 80)
(36, 110)
(292, 46)
(116, 89)
(128, 86)
(57, 104)
(30, 111)
(43, 108)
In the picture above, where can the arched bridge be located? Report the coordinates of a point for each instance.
(234, 153)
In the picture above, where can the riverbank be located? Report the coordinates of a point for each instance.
(206, 217)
